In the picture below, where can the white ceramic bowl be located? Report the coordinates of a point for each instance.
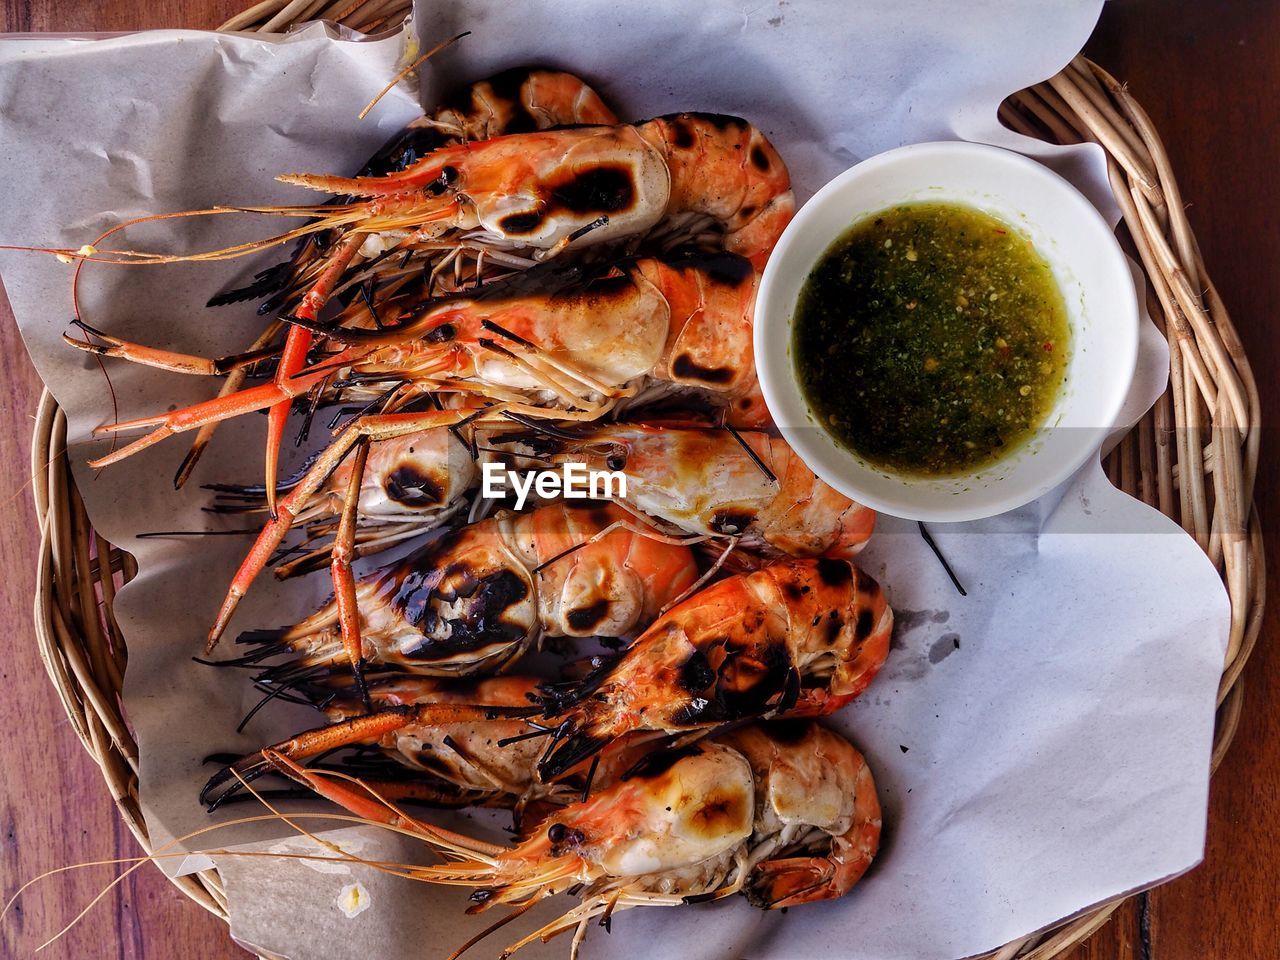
(1087, 263)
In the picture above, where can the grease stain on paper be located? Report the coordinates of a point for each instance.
(914, 658)
(354, 899)
(905, 621)
(943, 647)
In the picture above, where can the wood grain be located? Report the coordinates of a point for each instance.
(1208, 76)
(54, 807)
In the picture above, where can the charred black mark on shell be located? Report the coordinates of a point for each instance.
(608, 287)
(681, 135)
(517, 223)
(696, 673)
(659, 762)
(603, 189)
(585, 618)
(408, 485)
(865, 623)
(867, 584)
(596, 514)
(685, 367)
(787, 731)
(726, 269)
(479, 621)
(835, 573)
(834, 626)
(751, 679)
(731, 522)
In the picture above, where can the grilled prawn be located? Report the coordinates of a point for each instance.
(573, 343)
(467, 758)
(702, 482)
(518, 100)
(559, 341)
(799, 638)
(476, 599)
(578, 334)
(817, 819)
(456, 742)
(786, 813)
(539, 188)
(341, 253)
(708, 482)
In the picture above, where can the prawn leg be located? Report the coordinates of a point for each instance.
(234, 381)
(294, 355)
(206, 412)
(374, 427)
(113, 346)
(344, 583)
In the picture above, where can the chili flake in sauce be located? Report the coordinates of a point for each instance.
(931, 338)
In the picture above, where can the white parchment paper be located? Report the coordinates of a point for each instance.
(1041, 745)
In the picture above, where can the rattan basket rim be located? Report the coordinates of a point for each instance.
(1208, 417)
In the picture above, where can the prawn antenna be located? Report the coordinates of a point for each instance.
(928, 538)
(755, 457)
(540, 426)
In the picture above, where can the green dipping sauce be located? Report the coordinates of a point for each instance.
(931, 339)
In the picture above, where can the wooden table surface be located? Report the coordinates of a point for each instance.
(1207, 73)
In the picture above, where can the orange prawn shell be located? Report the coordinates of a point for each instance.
(800, 638)
(520, 99)
(725, 168)
(798, 521)
(808, 775)
(613, 329)
(711, 302)
(611, 586)
(704, 482)
(476, 598)
(675, 809)
(464, 753)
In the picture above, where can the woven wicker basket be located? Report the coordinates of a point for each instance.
(1209, 418)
